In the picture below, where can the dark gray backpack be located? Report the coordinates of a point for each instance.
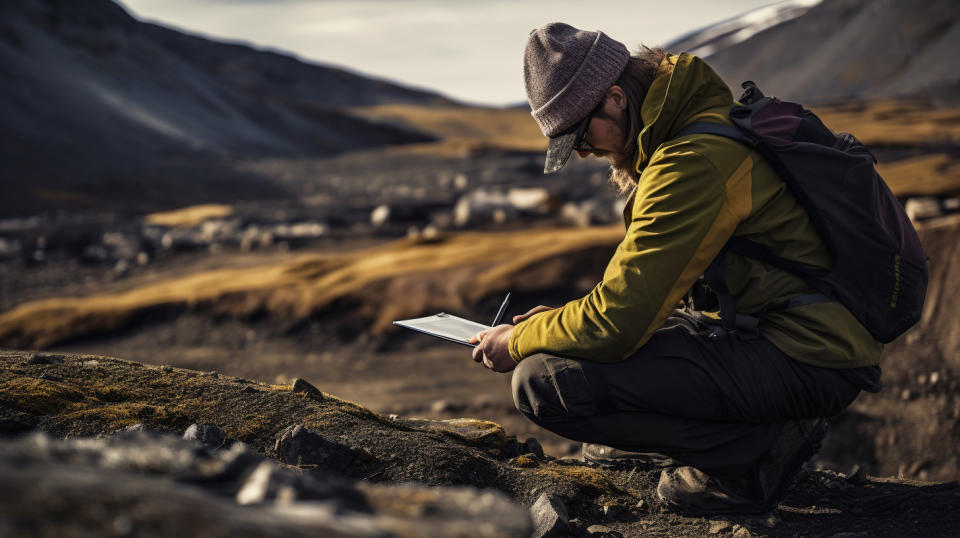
(879, 268)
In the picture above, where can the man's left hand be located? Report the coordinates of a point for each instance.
(493, 348)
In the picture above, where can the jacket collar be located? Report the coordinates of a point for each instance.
(686, 90)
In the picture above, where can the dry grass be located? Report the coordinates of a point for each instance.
(894, 123)
(394, 281)
(463, 129)
(189, 217)
(929, 175)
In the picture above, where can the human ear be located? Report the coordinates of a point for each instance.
(616, 96)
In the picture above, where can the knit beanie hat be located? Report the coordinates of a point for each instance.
(566, 72)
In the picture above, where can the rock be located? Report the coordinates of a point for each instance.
(268, 482)
(612, 511)
(549, 517)
(302, 386)
(45, 358)
(718, 527)
(134, 428)
(134, 486)
(211, 436)
(380, 215)
(858, 477)
(299, 446)
(923, 208)
(739, 531)
(532, 446)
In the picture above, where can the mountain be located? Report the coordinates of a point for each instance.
(100, 109)
(835, 50)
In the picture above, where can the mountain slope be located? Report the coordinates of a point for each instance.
(99, 106)
(838, 49)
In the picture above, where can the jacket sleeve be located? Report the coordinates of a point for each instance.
(681, 216)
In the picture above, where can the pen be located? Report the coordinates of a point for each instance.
(503, 308)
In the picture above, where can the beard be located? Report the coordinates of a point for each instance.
(623, 177)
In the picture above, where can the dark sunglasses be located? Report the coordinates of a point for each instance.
(581, 144)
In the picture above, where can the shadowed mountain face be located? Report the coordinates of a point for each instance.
(838, 49)
(102, 110)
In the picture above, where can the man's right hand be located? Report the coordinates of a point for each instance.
(532, 311)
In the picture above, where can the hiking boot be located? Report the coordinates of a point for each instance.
(691, 491)
(606, 456)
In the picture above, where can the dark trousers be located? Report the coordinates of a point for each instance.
(715, 404)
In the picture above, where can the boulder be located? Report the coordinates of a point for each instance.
(298, 446)
(211, 436)
(550, 517)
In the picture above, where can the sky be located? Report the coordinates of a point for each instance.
(470, 50)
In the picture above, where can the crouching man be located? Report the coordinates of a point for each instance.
(624, 369)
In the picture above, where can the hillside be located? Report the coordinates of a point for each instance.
(837, 50)
(101, 110)
(337, 473)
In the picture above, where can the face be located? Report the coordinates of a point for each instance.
(606, 134)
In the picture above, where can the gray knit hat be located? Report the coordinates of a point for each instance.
(567, 72)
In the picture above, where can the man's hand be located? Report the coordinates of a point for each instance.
(532, 311)
(492, 348)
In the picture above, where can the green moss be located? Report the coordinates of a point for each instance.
(116, 415)
(39, 396)
(523, 461)
(254, 427)
(594, 481)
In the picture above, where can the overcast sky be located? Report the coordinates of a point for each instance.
(467, 49)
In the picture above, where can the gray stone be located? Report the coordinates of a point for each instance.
(302, 386)
(45, 358)
(270, 483)
(299, 446)
(135, 428)
(550, 517)
(211, 436)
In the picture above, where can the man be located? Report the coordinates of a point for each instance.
(622, 369)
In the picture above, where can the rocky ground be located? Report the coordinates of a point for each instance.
(288, 459)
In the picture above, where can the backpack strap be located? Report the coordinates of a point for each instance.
(713, 276)
(717, 129)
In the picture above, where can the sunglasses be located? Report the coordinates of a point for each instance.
(581, 144)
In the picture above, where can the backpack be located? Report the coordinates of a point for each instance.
(879, 268)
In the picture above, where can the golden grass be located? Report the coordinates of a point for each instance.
(928, 175)
(891, 122)
(462, 129)
(394, 281)
(188, 217)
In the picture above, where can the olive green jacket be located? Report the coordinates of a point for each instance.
(694, 193)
